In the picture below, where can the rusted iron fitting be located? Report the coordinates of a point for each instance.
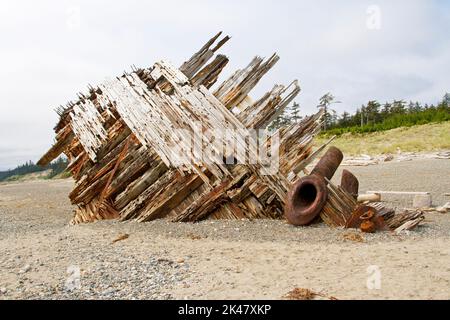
(368, 226)
(350, 183)
(305, 200)
(367, 219)
(329, 163)
(309, 194)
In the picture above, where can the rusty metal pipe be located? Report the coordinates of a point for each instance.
(329, 163)
(305, 200)
(309, 194)
(350, 183)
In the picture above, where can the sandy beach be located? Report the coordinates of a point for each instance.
(40, 251)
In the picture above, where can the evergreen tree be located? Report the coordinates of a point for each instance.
(372, 112)
(417, 107)
(445, 103)
(446, 99)
(386, 110)
(362, 115)
(411, 106)
(324, 102)
(281, 120)
(370, 118)
(57, 166)
(398, 107)
(345, 119)
(295, 113)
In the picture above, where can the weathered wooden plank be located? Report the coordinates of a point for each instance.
(234, 90)
(87, 125)
(209, 74)
(64, 138)
(134, 189)
(194, 64)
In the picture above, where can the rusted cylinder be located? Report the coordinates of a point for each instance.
(329, 163)
(309, 194)
(350, 183)
(305, 200)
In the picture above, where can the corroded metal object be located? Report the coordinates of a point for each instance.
(366, 218)
(329, 163)
(309, 194)
(305, 200)
(368, 226)
(360, 214)
(350, 183)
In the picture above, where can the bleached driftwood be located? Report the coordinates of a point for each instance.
(369, 197)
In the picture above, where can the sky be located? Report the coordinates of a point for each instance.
(358, 50)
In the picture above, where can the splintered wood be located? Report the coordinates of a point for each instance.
(341, 207)
(131, 143)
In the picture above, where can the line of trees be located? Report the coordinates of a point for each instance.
(372, 116)
(290, 115)
(58, 166)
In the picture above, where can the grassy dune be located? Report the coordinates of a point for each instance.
(428, 137)
(41, 175)
(29, 176)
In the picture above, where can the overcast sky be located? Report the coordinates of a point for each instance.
(358, 50)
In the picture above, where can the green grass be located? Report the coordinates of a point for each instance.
(41, 175)
(427, 137)
(396, 121)
(62, 175)
(13, 178)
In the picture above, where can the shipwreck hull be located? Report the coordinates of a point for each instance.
(119, 135)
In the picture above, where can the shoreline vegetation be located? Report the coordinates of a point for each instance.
(414, 118)
(31, 171)
(419, 138)
(372, 117)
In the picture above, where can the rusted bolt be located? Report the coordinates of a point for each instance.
(350, 183)
(305, 200)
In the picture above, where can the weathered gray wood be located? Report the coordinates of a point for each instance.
(369, 197)
(234, 90)
(400, 192)
(139, 185)
(200, 58)
(65, 138)
(209, 74)
(149, 105)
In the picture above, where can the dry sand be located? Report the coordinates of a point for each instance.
(220, 259)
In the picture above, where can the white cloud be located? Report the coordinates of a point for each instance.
(46, 59)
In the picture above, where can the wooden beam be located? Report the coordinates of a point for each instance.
(60, 145)
(400, 192)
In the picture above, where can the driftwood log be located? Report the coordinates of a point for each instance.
(369, 197)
